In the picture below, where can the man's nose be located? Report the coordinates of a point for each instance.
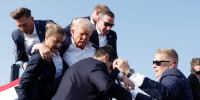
(84, 37)
(154, 66)
(59, 44)
(22, 28)
(109, 27)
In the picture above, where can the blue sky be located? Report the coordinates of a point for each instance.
(142, 27)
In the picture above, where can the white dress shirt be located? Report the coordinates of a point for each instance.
(102, 38)
(57, 60)
(30, 39)
(74, 54)
(138, 79)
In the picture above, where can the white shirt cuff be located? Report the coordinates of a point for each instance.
(33, 49)
(119, 76)
(137, 79)
(20, 63)
(134, 94)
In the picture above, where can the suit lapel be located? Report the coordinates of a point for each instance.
(95, 38)
(109, 38)
(21, 38)
(40, 31)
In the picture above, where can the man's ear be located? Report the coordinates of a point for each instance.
(72, 31)
(173, 64)
(98, 19)
(32, 18)
(96, 12)
(107, 57)
(46, 37)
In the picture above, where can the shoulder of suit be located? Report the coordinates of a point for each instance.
(94, 46)
(191, 76)
(173, 72)
(112, 32)
(16, 34)
(16, 31)
(42, 22)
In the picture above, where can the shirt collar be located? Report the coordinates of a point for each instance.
(73, 43)
(34, 30)
(91, 20)
(99, 33)
(56, 54)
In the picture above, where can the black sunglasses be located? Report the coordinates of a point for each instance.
(197, 72)
(107, 24)
(158, 62)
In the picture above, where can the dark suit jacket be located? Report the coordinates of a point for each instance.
(37, 82)
(111, 38)
(18, 38)
(88, 80)
(195, 86)
(173, 85)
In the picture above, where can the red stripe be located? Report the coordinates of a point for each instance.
(9, 85)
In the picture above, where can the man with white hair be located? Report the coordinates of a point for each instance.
(80, 47)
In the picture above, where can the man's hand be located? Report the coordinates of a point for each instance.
(121, 65)
(128, 84)
(25, 65)
(45, 51)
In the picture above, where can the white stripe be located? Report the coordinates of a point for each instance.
(8, 94)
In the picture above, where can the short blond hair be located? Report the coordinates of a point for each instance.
(170, 53)
(194, 62)
(101, 7)
(52, 28)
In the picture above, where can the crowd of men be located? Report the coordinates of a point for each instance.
(80, 62)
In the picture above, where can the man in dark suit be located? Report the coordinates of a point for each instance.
(89, 79)
(194, 78)
(103, 34)
(172, 85)
(41, 78)
(30, 32)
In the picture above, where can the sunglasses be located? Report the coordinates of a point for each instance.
(158, 63)
(107, 24)
(197, 72)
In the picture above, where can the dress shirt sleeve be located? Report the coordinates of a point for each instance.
(137, 79)
(134, 94)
